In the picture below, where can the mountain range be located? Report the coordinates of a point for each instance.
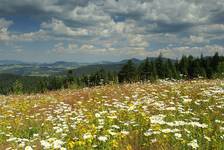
(60, 67)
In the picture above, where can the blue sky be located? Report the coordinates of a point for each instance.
(96, 30)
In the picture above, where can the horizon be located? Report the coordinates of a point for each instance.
(51, 62)
(109, 30)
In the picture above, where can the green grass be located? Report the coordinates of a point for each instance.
(164, 115)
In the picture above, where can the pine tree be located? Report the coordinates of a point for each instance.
(128, 73)
(70, 77)
(160, 67)
(153, 75)
(101, 77)
(220, 72)
(206, 63)
(215, 62)
(17, 87)
(183, 66)
(172, 70)
(195, 69)
(42, 86)
(112, 77)
(145, 70)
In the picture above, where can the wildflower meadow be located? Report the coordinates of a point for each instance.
(141, 116)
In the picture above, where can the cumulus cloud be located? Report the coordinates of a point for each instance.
(177, 52)
(4, 25)
(7, 36)
(120, 27)
(58, 27)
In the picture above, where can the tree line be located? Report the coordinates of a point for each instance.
(188, 67)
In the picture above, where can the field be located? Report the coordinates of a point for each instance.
(163, 115)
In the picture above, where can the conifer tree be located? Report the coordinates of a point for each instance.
(183, 66)
(221, 70)
(145, 70)
(160, 67)
(128, 73)
(215, 62)
(153, 75)
(172, 70)
(17, 87)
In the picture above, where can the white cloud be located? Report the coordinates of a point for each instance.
(4, 25)
(137, 41)
(177, 52)
(172, 11)
(58, 27)
(90, 14)
(124, 27)
(61, 48)
(196, 39)
(209, 28)
(9, 37)
(30, 36)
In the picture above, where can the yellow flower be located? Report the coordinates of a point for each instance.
(114, 144)
(129, 147)
(71, 144)
(80, 143)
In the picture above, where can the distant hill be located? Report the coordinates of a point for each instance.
(93, 68)
(63, 64)
(60, 67)
(134, 60)
(10, 62)
(37, 69)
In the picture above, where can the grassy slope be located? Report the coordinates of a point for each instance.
(165, 115)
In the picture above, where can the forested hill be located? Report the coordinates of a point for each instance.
(37, 69)
(60, 67)
(109, 66)
(188, 67)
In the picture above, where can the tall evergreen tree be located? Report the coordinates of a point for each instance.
(128, 73)
(183, 66)
(221, 69)
(160, 67)
(145, 70)
(154, 75)
(195, 69)
(172, 72)
(215, 62)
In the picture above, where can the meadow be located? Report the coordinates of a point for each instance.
(140, 116)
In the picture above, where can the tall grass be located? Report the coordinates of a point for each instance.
(164, 115)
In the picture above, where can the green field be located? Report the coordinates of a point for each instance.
(163, 115)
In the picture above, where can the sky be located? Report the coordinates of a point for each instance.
(110, 30)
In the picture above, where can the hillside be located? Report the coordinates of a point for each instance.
(164, 115)
(60, 67)
(37, 69)
(108, 66)
(93, 68)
